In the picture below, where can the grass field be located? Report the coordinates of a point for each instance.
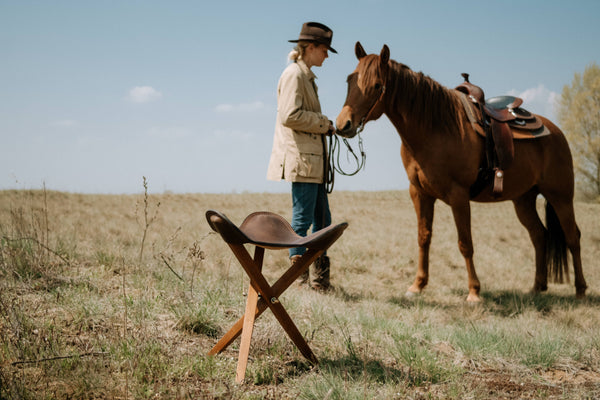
(121, 297)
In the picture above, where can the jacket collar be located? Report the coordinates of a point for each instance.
(306, 70)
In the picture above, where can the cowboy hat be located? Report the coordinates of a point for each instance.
(316, 33)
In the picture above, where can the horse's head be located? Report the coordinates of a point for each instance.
(366, 89)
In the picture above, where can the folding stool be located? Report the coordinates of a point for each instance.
(266, 230)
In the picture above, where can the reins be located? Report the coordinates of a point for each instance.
(332, 164)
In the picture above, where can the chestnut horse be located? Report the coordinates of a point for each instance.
(442, 154)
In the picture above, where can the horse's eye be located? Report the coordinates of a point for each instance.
(377, 86)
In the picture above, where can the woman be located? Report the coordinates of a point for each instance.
(299, 151)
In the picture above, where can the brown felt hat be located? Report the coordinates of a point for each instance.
(316, 33)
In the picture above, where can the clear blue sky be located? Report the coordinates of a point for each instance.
(97, 94)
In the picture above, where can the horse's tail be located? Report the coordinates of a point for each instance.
(556, 247)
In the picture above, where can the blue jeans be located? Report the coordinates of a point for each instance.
(310, 207)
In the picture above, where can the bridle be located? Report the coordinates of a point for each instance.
(333, 165)
(363, 120)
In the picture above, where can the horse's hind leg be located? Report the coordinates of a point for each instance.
(528, 216)
(424, 208)
(566, 215)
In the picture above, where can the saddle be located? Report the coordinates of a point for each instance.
(499, 120)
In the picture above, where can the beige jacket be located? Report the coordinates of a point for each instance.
(297, 154)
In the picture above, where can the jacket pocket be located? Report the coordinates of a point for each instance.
(309, 165)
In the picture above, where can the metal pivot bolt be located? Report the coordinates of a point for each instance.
(274, 300)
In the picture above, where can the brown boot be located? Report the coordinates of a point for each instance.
(320, 280)
(302, 279)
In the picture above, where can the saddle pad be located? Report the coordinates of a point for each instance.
(522, 134)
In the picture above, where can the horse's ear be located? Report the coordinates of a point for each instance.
(385, 55)
(359, 51)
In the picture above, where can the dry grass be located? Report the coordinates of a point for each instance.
(82, 317)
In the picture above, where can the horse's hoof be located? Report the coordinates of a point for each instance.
(473, 299)
(411, 295)
(538, 289)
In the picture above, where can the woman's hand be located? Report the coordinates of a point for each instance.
(331, 129)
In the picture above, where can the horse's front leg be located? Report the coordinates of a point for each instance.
(424, 209)
(461, 211)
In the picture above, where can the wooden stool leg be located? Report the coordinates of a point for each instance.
(278, 288)
(249, 318)
(231, 334)
(290, 328)
(262, 286)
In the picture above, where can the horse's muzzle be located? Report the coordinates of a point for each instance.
(347, 131)
(344, 125)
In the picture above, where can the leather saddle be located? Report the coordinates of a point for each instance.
(500, 120)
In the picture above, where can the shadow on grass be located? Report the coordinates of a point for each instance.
(355, 368)
(508, 303)
(505, 303)
(346, 296)
(345, 368)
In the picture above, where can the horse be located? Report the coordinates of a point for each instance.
(442, 154)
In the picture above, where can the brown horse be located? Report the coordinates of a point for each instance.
(442, 153)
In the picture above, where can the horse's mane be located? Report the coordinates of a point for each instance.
(416, 95)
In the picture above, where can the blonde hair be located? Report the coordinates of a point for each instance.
(298, 51)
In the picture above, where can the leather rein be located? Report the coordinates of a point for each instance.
(333, 164)
(333, 160)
